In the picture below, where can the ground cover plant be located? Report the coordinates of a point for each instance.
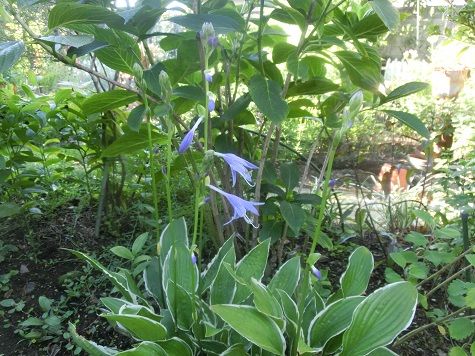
(187, 201)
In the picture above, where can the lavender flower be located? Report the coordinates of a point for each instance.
(208, 76)
(188, 139)
(316, 272)
(332, 183)
(213, 41)
(211, 103)
(238, 165)
(194, 259)
(239, 205)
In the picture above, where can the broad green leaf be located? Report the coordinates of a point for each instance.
(152, 276)
(107, 101)
(404, 90)
(457, 351)
(9, 209)
(90, 347)
(139, 243)
(179, 268)
(118, 58)
(175, 232)
(69, 40)
(67, 14)
(10, 53)
(356, 277)
(223, 285)
(382, 351)
(411, 121)
(313, 86)
(281, 51)
(380, 318)
(145, 348)
(212, 269)
(289, 173)
(123, 252)
(264, 301)
(136, 117)
(461, 328)
(253, 325)
(114, 304)
(293, 214)
(222, 23)
(131, 142)
(250, 266)
(237, 107)
(363, 71)
(113, 277)
(266, 94)
(180, 303)
(287, 277)
(140, 327)
(175, 347)
(417, 239)
(332, 320)
(387, 12)
(369, 26)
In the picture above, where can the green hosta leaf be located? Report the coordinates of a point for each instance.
(266, 94)
(179, 268)
(380, 318)
(356, 277)
(180, 303)
(152, 276)
(404, 90)
(123, 252)
(223, 286)
(287, 277)
(411, 121)
(73, 41)
(175, 347)
(67, 14)
(250, 266)
(140, 327)
(461, 328)
(212, 269)
(88, 346)
(237, 107)
(387, 12)
(107, 101)
(382, 351)
(10, 53)
(113, 277)
(293, 214)
(175, 232)
(332, 320)
(221, 23)
(265, 301)
(145, 348)
(130, 142)
(253, 325)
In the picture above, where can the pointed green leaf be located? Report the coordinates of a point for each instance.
(88, 346)
(332, 320)
(107, 101)
(253, 325)
(404, 90)
(10, 53)
(293, 214)
(140, 327)
(387, 12)
(212, 269)
(266, 94)
(67, 14)
(130, 142)
(380, 318)
(265, 301)
(287, 277)
(145, 348)
(411, 121)
(356, 277)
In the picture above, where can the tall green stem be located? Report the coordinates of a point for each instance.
(169, 166)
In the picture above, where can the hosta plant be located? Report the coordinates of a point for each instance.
(228, 308)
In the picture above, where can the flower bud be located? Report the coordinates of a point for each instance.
(355, 103)
(165, 86)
